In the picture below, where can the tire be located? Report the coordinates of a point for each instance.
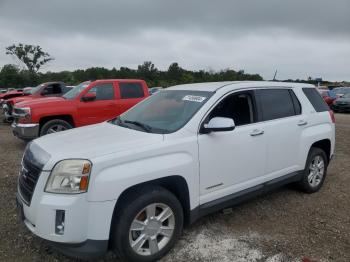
(58, 124)
(312, 183)
(135, 210)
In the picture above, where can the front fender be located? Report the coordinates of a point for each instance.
(108, 183)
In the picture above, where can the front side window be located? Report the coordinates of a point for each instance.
(103, 91)
(52, 89)
(276, 103)
(75, 91)
(164, 112)
(131, 90)
(239, 106)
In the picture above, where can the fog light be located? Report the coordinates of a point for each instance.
(59, 225)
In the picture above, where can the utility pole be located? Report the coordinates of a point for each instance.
(274, 77)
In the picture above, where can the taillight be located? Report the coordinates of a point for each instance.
(331, 113)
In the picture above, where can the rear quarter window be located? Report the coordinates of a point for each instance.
(316, 99)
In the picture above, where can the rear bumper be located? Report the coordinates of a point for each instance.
(25, 131)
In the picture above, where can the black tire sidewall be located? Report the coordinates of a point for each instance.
(305, 182)
(50, 123)
(131, 209)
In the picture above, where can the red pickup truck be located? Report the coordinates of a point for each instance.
(10, 94)
(48, 89)
(87, 103)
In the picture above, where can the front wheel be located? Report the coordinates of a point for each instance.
(148, 225)
(54, 126)
(315, 171)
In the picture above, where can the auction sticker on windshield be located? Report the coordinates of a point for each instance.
(198, 99)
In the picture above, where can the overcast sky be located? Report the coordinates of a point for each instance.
(300, 38)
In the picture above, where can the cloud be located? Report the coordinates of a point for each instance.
(299, 38)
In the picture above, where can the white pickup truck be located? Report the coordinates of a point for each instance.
(131, 183)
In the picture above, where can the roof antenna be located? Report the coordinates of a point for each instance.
(274, 76)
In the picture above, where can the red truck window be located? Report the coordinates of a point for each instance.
(131, 90)
(103, 91)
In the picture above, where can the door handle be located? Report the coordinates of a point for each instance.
(302, 123)
(257, 132)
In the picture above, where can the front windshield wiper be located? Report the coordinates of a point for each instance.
(145, 127)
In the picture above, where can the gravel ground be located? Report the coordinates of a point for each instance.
(285, 225)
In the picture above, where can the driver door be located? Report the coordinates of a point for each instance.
(231, 161)
(103, 108)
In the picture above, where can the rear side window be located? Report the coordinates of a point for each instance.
(103, 92)
(316, 99)
(296, 103)
(131, 90)
(277, 103)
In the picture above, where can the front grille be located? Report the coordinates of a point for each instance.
(27, 179)
(17, 111)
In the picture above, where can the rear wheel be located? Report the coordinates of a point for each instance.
(54, 126)
(148, 226)
(315, 171)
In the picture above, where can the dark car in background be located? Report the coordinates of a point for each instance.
(342, 104)
(341, 91)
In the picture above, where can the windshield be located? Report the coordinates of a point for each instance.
(341, 90)
(75, 91)
(164, 112)
(35, 89)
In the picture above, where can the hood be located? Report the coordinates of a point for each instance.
(94, 141)
(36, 102)
(16, 100)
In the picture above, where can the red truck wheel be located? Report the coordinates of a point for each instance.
(54, 126)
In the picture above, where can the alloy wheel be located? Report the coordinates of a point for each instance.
(152, 229)
(316, 171)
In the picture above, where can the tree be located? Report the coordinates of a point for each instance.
(33, 57)
(175, 72)
(147, 70)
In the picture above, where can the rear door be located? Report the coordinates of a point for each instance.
(130, 93)
(283, 123)
(103, 108)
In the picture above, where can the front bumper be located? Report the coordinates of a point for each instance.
(86, 224)
(25, 131)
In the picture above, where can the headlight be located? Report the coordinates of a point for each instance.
(23, 111)
(69, 176)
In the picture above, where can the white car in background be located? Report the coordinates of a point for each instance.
(130, 184)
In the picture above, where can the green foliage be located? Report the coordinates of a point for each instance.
(12, 76)
(33, 57)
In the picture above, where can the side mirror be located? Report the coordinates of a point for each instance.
(218, 124)
(89, 97)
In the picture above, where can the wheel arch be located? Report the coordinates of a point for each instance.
(325, 145)
(175, 184)
(45, 119)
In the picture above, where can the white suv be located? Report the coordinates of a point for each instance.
(130, 184)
